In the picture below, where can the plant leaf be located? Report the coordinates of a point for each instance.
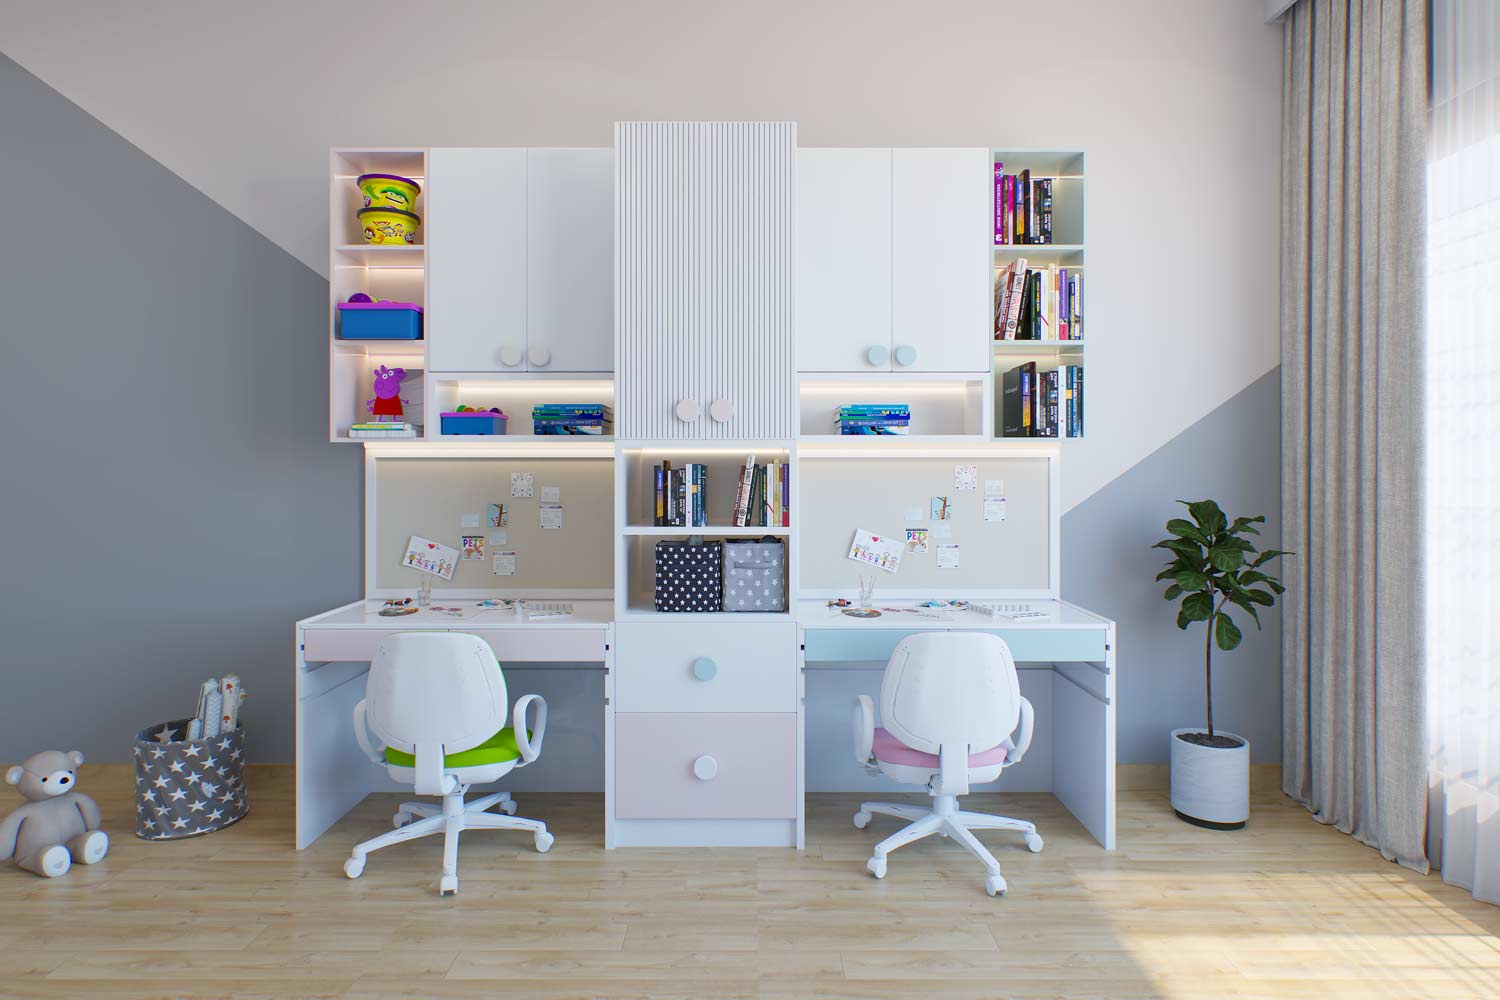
(1173, 592)
(1243, 524)
(1183, 621)
(1226, 633)
(1190, 579)
(1243, 602)
(1208, 515)
(1260, 597)
(1225, 558)
(1183, 547)
(1197, 607)
(1268, 555)
(1186, 529)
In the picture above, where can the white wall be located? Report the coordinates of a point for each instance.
(1176, 102)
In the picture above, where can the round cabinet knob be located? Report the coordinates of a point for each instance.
(906, 355)
(721, 410)
(705, 669)
(510, 356)
(877, 355)
(688, 410)
(705, 768)
(538, 356)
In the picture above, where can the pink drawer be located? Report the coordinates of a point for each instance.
(321, 645)
(752, 774)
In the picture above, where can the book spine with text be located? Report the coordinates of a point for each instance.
(999, 204)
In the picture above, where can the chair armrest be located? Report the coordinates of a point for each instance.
(864, 729)
(1020, 741)
(362, 734)
(530, 746)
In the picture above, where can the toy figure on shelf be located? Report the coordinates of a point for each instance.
(387, 387)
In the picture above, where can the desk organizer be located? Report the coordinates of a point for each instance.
(473, 422)
(184, 788)
(689, 576)
(755, 575)
(380, 321)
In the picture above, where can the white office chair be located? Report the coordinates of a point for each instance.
(436, 701)
(950, 702)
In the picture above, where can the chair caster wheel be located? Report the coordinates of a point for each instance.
(508, 807)
(1034, 843)
(861, 820)
(402, 818)
(876, 867)
(543, 841)
(354, 867)
(448, 886)
(994, 885)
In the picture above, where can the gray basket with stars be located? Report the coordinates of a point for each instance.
(184, 788)
(755, 575)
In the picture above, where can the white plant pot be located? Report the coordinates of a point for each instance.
(1210, 785)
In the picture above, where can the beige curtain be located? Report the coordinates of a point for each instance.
(1353, 161)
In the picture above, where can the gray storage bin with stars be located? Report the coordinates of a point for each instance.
(755, 575)
(187, 787)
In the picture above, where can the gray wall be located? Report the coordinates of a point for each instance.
(1233, 455)
(169, 501)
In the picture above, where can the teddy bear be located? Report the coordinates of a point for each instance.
(58, 824)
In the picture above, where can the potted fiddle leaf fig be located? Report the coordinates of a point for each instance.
(1215, 572)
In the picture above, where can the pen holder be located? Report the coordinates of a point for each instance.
(183, 787)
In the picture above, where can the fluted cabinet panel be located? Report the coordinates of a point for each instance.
(704, 302)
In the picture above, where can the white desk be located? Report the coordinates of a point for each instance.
(1075, 647)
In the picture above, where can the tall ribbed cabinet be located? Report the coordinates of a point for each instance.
(704, 299)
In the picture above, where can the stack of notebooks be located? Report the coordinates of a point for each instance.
(1044, 404)
(572, 418)
(1038, 303)
(763, 498)
(681, 499)
(1023, 208)
(384, 429)
(869, 418)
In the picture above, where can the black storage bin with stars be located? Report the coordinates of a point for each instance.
(187, 787)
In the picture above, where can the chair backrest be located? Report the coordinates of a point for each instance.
(435, 688)
(950, 687)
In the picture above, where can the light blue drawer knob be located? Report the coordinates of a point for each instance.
(705, 669)
(906, 355)
(876, 355)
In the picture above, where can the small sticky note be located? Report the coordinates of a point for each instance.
(965, 478)
(499, 537)
(521, 484)
(551, 515)
(551, 494)
(994, 487)
(468, 520)
(942, 508)
(916, 541)
(947, 556)
(505, 564)
(942, 530)
(915, 514)
(994, 508)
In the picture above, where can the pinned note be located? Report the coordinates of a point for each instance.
(522, 484)
(496, 516)
(551, 494)
(947, 556)
(965, 478)
(994, 487)
(916, 541)
(551, 515)
(942, 508)
(994, 509)
(497, 538)
(505, 564)
(468, 520)
(473, 547)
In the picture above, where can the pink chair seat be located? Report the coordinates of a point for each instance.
(891, 750)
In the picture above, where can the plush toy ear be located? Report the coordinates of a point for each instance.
(13, 776)
(76, 756)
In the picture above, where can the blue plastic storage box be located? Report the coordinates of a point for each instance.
(473, 422)
(380, 321)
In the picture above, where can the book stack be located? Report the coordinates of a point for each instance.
(869, 418)
(1038, 303)
(681, 497)
(384, 429)
(572, 418)
(763, 497)
(1023, 208)
(1045, 404)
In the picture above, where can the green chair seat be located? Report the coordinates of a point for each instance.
(496, 750)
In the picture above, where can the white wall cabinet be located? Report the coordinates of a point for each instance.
(521, 260)
(704, 256)
(893, 265)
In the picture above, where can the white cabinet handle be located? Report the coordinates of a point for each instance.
(510, 356)
(705, 768)
(877, 354)
(721, 410)
(539, 356)
(688, 410)
(906, 355)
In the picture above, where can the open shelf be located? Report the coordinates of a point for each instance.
(378, 255)
(345, 199)
(942, 406)
(516, 395)
(1041, 347)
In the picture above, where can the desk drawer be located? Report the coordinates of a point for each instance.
(747, 764)
(543, 645)
(704, 667)
(1027, 645)
(321, 645)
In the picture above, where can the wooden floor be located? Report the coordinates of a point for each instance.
(1285, 908)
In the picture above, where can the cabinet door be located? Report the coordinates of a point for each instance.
(704, 279)
(476, 260)
(570, 260)
(941, 201)
(843, 260)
